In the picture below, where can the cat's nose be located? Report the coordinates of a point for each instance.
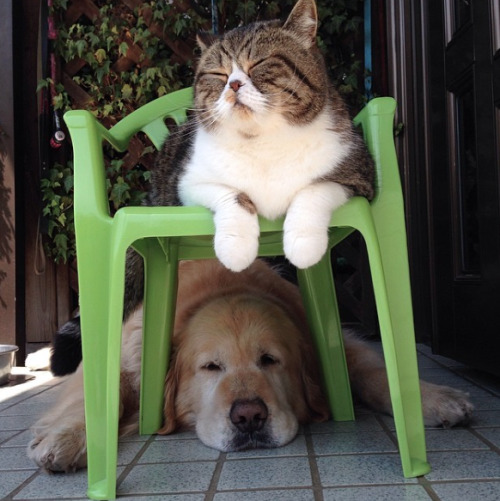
(235, 85)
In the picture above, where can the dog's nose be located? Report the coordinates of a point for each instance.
(248, 415)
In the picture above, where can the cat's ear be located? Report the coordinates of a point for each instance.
(303, 21)
(205, 40)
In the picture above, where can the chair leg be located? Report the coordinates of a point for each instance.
(101, 306)
(398, 341)
(320, 300)
(158, 320)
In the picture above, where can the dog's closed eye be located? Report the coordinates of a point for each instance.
(213, 367)
(267, 360)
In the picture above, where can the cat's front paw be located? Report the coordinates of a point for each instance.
(304, 247)
(445, 406)
(236, 240)
(60, 449)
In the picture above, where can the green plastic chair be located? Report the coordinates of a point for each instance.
(165, 235)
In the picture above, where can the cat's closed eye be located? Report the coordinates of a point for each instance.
(256, 64)
(272, 65)
(217, 74)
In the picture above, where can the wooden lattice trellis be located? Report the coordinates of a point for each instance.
(87, 11)
(97, 18)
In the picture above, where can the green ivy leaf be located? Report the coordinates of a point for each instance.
(109, 42)
(81, 47)
(119, 192)
(68, 183)
(43, 84)
(61, 241)
(100, 55)
(62, 219)
(127, 91)
(123, 48)
(116, 164)
(61, 4)
(51, 226)
(102, 71)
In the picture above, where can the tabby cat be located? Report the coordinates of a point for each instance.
(269, 136)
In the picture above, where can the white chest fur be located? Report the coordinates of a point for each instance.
(270, 167)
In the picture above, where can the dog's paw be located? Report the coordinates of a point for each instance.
(236, 240)
(305, 246)
(445, 406)
(63, 450)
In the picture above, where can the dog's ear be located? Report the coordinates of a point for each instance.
(310, 373)
(169, 413)
(315, 397)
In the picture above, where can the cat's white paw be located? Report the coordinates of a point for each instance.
(305, 246)
(445, 406)
(236, 240)
(60, 448)
(305, 238)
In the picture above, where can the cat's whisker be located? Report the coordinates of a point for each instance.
(190, 127)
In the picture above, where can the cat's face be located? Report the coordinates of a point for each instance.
(261, 73)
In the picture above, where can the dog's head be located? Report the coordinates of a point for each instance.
(242, 375)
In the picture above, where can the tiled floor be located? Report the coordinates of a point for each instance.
(332, 461)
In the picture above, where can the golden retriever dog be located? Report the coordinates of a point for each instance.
(243, 372)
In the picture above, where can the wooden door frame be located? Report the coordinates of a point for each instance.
(416, 40)
(9, 334)
(407, 47)
(467, 239)
(44, 293)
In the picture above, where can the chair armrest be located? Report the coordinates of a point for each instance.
(377, 122)
(150, 118)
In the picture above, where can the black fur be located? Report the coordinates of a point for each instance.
(67, 349)
(67, 345)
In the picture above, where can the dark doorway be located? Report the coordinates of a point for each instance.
(464, 63)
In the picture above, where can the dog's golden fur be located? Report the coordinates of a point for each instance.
(243, 371)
